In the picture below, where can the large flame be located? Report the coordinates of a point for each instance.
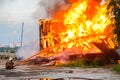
(83, 23)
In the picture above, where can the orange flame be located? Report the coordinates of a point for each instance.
(82, 24)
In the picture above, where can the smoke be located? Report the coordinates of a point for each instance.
(27, 50)
(65, 55)
(16, 12)
(44, 10)
(103, 2)
(48, 7)
(30, 40)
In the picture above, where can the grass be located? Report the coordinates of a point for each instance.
(85, 63)
(117, 68)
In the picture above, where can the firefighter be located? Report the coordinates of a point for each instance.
(10, 64)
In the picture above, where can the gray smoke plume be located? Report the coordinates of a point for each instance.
(44, 10)
(48, 7)
(28, 50)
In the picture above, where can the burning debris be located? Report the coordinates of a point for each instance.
(84, 28)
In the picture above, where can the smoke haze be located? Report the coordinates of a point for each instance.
(28, 49)
(48, 7)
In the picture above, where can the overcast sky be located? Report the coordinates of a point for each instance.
(12, 14)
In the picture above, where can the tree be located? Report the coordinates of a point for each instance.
(114, 8)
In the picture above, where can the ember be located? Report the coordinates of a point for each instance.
(77, 31)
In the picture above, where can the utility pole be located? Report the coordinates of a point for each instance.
(22, 34)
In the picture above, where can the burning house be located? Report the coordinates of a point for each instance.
(83, 30)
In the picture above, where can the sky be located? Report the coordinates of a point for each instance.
(12, 14)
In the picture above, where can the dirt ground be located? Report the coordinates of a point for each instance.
(36, 72)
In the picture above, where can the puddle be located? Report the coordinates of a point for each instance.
(46, 79)
(70, 78)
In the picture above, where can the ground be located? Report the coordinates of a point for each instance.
(36, 72)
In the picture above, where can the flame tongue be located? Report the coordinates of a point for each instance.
(84, 22)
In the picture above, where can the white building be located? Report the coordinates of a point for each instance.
(14, 44)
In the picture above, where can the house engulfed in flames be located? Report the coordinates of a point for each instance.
(83, 29)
